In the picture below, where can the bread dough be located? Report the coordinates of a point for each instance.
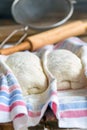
(28, 70)
(67, 68)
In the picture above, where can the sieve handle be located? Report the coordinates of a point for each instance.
(48, 37)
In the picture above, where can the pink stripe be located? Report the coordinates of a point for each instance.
(54, 107)
(73, 114)
(31, 114)
(15, 87)
(9, 108)
(4, 108)
(34, 114)
(17, 103)
(3, 88)
(53, 93)
(19, 115)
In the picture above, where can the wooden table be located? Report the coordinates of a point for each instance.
(9, 25)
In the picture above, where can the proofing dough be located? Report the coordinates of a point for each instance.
(28, 70)
(66, 67)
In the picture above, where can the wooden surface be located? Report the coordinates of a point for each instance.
(9, 25)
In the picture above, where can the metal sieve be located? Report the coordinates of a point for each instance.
(42, 14)
(39, 14)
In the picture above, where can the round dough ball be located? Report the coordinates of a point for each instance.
(66, 67)
(28, 70)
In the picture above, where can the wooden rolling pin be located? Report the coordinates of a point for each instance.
(48, 37)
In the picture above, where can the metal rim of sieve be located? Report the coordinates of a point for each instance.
(66, 18)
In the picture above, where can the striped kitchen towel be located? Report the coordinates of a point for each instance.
(69, 107)
(72, 111)
(22, 111)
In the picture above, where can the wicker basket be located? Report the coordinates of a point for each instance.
(6, 126)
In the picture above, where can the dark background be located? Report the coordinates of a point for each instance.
(80, 11)
(5, 7)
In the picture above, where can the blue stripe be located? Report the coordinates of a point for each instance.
(72, 99)
(8, 80)
(50, 104)
(11, 79)
(29, 106)
(12, 94)
(4, 94)
(16, 98)
(3, 100)
(76, 105)
(3, 81)
(8, 102)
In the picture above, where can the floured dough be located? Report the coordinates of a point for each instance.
(67, 68)
(28, 70)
